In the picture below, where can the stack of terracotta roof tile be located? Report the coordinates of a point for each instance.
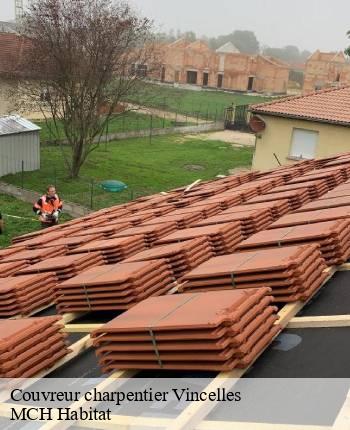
(114, 250)
(33, 256)
(311, 217)
(21, 295)
(225, 200)
(133, 220)
(30, 345)
(9, 269)
(207, 209)
(333, 178)
(296, 198)
(332, 236)
(182, 220)
(339, 191)
(116, 286)
(315, 188)
(344, 169)
(245, 191)
(320, 162)
(74, 241)
(151, 233)
(345, 160)
(7, 252)
(38, 241)
(325, 203)
(180, 201)
(65, 267)
(293, 272)
(222, 237)
(154, 212)
(181, 257)
(277, 208)
(216, 331)
(104, 230)
(251, 221)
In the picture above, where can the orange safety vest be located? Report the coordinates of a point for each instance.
(49, 206)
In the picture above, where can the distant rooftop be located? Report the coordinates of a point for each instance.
(329, 106)
(14, 124)
(228, 48)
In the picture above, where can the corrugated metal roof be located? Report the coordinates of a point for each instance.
(15, 124)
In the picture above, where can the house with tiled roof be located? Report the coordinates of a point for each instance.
(302, 127)
(12, 47)
(326, 70)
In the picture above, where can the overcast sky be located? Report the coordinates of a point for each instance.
(309, 24)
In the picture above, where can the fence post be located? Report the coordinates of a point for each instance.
(216, 113)
(175, 119)
(22, 175)
(123, 125)
(92, 194)
(150, 129)
(164, 120)
(197, 116)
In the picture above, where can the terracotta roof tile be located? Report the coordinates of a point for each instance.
(330, 106)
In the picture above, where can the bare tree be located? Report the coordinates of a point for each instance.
(83, 55)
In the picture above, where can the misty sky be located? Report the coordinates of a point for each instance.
(309, 24)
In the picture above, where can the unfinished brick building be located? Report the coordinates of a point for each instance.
(326, 70)
(227, 68)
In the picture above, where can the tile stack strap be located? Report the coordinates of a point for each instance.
(333, 178)
(251, 221)
(296, 198)
(292, 272)
(33, 256)
(181, 257)
(311, 217)
(65, 267)
(9, 269)
(30, 345)
(277, 208)
(332, 236)
(106, 231)
(223, 238)
(324, 203)
(74, 241)
(21, 295)
(114, 287)
(225, 200)
(315, 188)
(114, 250)
(207, 209)
(182, 220)
(151, 233)
(215, 331)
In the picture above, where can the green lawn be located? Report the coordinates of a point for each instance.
(165, 163)
(17, 226)
(128, 121)
(205, 103)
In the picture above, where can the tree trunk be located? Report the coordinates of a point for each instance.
(77, 160)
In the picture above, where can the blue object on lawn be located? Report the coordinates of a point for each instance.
(113, 186)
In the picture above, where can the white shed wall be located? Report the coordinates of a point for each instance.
(15, 148)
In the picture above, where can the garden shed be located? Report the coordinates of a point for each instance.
(19, 145)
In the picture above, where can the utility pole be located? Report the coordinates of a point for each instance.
(18, 10)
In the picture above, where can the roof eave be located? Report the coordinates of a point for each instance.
(301, 117)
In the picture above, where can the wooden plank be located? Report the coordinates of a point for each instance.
(125, 422)
(81, 328)
(71, 316)
(123, 375)
(189, 188)
(320, 321)
(344, 267)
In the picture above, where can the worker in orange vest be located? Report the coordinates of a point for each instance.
(48, 207)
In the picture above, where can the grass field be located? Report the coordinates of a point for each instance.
(17, 226)
(205, 103)
(130, 121)
(165, 163)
